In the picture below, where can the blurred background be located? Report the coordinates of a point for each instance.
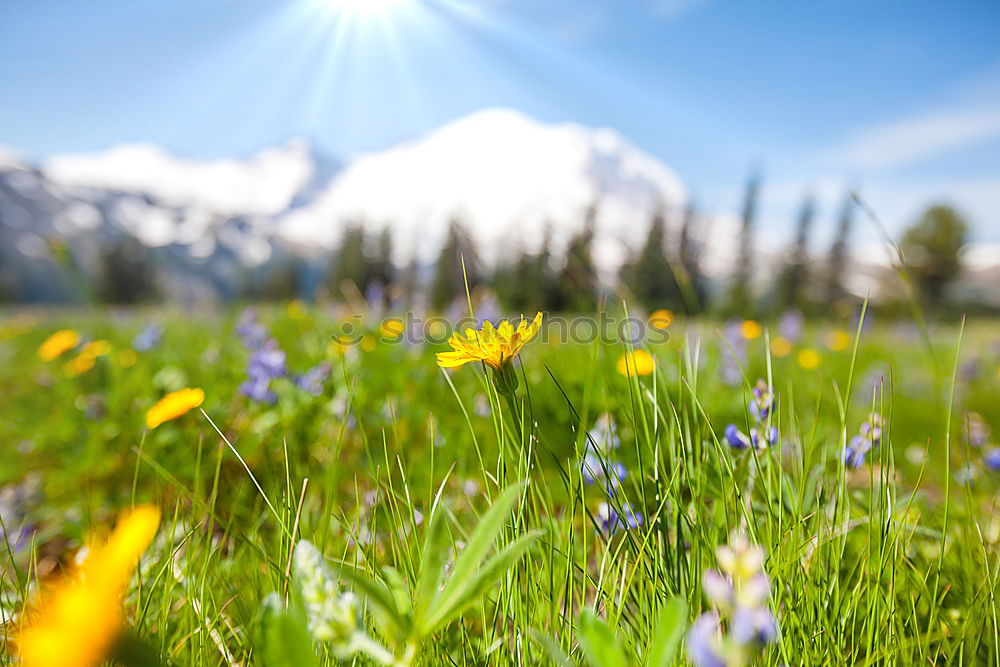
(698, 155)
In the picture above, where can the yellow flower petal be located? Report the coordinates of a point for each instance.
(639, 362)
(661, 319)
(781, 347)
(808, 359)
(751, 329)
(173, 405)
(57, 344)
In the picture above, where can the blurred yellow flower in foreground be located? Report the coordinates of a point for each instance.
(661, 319)
(808, 358)
(85, 360)
(58, 343)
(76, 621)
(392, 328)
(495, 346)
(127, 358)
(838, 340)
(639, 362)
(173, 405)
(751, 329)
(781, 347)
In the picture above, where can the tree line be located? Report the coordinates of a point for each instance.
(665, 271)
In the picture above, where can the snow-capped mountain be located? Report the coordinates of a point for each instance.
(506, 176)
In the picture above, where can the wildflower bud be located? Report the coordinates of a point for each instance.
(333, 616)
(505, 379)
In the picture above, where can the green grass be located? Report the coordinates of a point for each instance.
(893, 563)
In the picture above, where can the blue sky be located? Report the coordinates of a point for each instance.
(900, 98)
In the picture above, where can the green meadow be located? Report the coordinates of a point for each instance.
(568, 519)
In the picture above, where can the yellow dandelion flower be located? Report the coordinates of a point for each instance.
(392, 328)
(639, 362)
(57, 344)
(79, 365)
(781, 347)
(76, 621)
(661, 319)
(495, 346)
(808, 358)
(838, 340)
(88, 355)
(127, 358)
(367, 343)
(174, 405)
(751, 329)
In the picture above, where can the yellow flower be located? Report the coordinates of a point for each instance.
(781, 347)
(808, 359)
(751, 329)
(127, 358)
(84, 361)
(392, 328)
(661, 319)
(367, 343)
(838, 340)
(495, 346)
(173, 405)
(58, 343)
(76, 621)
(635, 363)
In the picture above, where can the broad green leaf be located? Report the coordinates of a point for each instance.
(480, 582)
(600, 645)
(432, 561)
(480, 542)
(667, 636)
(285, 639)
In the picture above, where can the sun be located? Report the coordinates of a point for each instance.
(365, 7)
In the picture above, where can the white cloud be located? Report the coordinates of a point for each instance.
(920, 137)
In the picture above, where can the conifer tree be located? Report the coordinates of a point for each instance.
(650, 276)
(352, 264)
(740, 294)
(449, 277)
(838, 254)
(576, 286)
(689, 250)
(792, 283)
(127, 275)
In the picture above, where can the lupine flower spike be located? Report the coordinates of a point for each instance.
(760, 408)
(741, 623)
(869, 436)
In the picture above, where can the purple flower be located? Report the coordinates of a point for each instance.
(992, 458)
(148, 338)
(611, 521)
(754, 625)
(790, 324)
(763, 401)
(258, 388)
(737, 439)
(250, 330)
(313, 379)
(703, 644)
(854, 453)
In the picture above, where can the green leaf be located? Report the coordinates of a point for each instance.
(284, 637)
(600, 645)
(667, 636)
(468, 561)
(432, 561)
(481, 581)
